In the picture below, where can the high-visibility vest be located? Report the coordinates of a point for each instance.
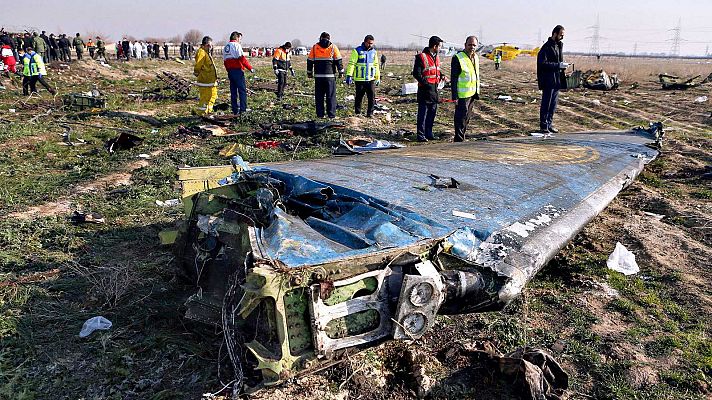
(468, 82)
(363, 65)
(281, 60)
(431, 68)
(325, 60)
(33, 65)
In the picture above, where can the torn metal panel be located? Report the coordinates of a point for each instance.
(342, 253)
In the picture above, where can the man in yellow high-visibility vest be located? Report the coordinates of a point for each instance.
(465, 78)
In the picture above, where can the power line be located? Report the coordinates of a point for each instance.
(675, 48)
(594, 49)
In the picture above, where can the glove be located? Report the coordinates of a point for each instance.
(276, 73)
(341, 74)
(349, 80)
(291, 71)
(252, 70)
(477, 96)
(310, 74)
(563, 65)
(378, 82)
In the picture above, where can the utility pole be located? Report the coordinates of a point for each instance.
(481, 38)
(707, 51)
(675, 49)
(635, 49)
(595, 37)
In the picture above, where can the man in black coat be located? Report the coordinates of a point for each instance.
(125, 48)
(428, 77)
(47, 54)
(64, 46)
(550, 67)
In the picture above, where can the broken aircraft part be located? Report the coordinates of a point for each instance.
(304, 260)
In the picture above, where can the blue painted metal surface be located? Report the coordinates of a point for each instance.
(504, 184)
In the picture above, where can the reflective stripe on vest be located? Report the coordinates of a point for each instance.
(468, 82)
(365, 71)
(431, 70)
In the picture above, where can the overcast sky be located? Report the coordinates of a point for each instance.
(623, 24)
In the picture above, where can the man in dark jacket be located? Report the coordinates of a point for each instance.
(53, 48)
(64, 46)
(323, 63)
(426, 70)
(550, 68)
(125, 48)
(46, 55)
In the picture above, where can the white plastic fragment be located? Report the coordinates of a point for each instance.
(168, 203)
(463, 214)
(94, 323)
(505, 98)
(597, 102)
(701, 99)
(622, 260)
(143, 156)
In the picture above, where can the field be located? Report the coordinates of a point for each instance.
(638, 337)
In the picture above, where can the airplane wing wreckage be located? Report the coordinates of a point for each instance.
(302, 261)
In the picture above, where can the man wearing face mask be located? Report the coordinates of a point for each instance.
(364, 70)
(207, 76)
(550, 67)
(465, 78)
(323, 62)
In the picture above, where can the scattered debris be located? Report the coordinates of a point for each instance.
(444, 182)
(600, 80)
(622, 260)
(122, 115)
(701, 99)
(144, 156)
(409, 88)
(180, 86)
(504, 98)
(93, 324)
(82, 101)
(124, 141)
(168, 203)
(89, 218)
(267, 144)
(671, 82)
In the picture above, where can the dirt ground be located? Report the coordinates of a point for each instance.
(637, 337)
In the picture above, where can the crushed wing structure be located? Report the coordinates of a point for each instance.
(302, 261)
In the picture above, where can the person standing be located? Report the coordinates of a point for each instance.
(207, 76)
(364, 69)
(64, 46)
(53, 48)
(165, 50)
(281, 63)
(426, 70)
(157, 50)
(550, 67)
(183, 51)
(497, 59)
(46, 55)
(126, 47)
(78, 44)
(383, 62)
(323, 62)
(236, 63)
(91, 47)
(465, 84)
(33, 71)
(100, 49)
(39, 45)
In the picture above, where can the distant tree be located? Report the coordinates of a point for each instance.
(176, 39)
(296, 43)
(193, 36)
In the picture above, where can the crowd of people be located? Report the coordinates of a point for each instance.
(324, 64)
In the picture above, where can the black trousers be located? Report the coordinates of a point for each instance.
(462, 117)
(65, 54)
(426, 118)
(325, 89)
(369, 89)
(549, 98)
(30, 82)
(281, 84)
(79, 54)
(91, 52)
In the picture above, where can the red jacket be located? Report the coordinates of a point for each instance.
(8, 60)
(234, 57)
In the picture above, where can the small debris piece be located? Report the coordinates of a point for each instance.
(701, 99)
(462, 214)
(91, 218)
(168, 203)
(124, 141)
(622, 260)
(93, 324)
